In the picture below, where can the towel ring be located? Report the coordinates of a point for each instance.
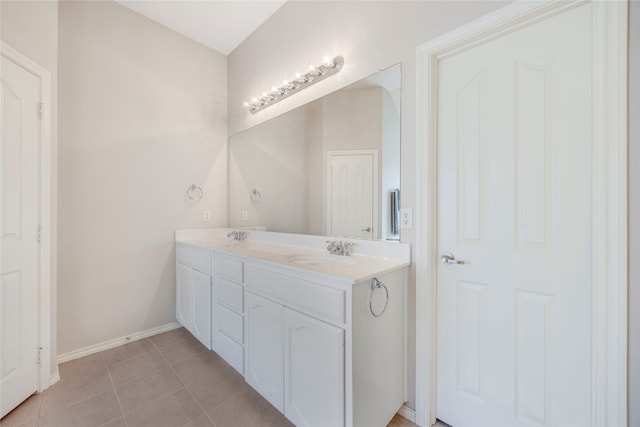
(376, 284)
(255, 196)
(195, 192)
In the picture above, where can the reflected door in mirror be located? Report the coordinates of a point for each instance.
(352, 193)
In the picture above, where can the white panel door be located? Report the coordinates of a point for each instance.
(514, 180)
(19, 207)
(351, 195)
(264, 345)
(313, 371)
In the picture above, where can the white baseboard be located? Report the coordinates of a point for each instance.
(106, 345)
(407, 413)
(54, 378)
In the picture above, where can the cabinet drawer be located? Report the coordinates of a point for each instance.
(230, 351)
(229, 267)
(317, 300)
(229, 293)
(196, 258)
(230, 323)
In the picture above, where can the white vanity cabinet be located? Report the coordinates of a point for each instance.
(228, 310)
(265, 348)
(313, 371)
(193, 291)
(296, 362)
(315, 351)
(325, 347)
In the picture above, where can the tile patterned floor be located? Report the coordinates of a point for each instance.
(167, 380)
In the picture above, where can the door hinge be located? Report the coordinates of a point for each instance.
(40, 110)
(39, 355)
(40, 233)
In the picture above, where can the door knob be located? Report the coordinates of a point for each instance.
(448, 258)
(368, 229)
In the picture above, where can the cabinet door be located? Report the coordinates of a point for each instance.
(201, 307)
(263, 363)
(313, 371)
(183, 296)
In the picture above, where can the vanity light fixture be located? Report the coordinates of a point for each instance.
(289, 87)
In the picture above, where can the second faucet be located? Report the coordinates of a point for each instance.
(339, 248)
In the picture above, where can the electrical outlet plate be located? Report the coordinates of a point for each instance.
(206, 215)
(244, 215)
(406, 218)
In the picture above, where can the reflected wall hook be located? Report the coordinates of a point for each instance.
(255, 196)
(195, 192)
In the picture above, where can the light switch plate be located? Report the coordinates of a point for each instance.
(244, 215)
(406, 218)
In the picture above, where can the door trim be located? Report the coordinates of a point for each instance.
(45, 322)
(609, 204)
(375, 215)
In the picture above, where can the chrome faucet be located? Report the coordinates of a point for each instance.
(238, 235)
(339, 248)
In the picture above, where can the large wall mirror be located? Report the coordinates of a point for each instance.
(331, 167)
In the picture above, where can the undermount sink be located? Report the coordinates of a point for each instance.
(321, 259)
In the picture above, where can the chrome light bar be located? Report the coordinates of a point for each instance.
(315, 74)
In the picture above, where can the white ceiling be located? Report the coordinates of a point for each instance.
(219, 24)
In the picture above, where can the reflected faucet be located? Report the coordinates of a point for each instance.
(238, 235)
(339, 248)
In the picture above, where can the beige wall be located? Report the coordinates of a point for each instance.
(31, 27)
(142, 117)
(371, 36)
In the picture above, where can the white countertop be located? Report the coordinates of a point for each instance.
(354, 268)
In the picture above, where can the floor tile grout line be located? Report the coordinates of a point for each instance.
(113, 386)
(128, 358)
(63, 382)
(37, 416)
(107, 366)
(138, 378)
(186, 338)
(206, 414)
(185, 386)
(72, 403)
(159, 397)
(184, 359)
(220, 404)
(153, 401)
(68, 380)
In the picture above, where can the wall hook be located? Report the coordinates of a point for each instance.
(195, 192)
(255, 196)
